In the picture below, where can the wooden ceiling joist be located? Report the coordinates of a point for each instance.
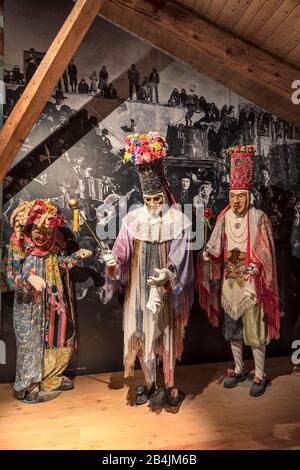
(272, 77)
(37, 92)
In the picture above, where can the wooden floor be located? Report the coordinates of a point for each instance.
(95, 416)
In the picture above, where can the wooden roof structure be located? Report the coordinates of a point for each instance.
(250, 46)
(273, 26)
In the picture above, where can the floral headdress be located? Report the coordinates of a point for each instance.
(144, 148)
(146, 151)
(43, 212)
(37, 212)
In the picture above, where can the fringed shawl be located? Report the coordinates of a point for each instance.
(261, 252)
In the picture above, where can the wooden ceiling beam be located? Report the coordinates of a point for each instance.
(40, 87)
(248, 62)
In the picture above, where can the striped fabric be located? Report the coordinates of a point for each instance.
(237, 352)
(259, 361)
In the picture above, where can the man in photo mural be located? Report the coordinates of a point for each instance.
(185, 192)
(151, 257)
(237, 271)
(37, 270)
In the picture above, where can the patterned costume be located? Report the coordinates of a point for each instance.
(43, 319)
(155, 313)
(241, 275)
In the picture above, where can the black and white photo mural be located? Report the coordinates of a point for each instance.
(117, 84)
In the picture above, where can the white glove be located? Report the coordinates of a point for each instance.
(154, 301)
(109, 259)
(111, 265)
(205, 255)
(37, 282)
(163, 275)
(83, 253)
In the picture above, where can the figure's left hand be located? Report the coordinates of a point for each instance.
(163, 275)
(83, 253)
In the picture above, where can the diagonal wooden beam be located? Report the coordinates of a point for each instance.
(224, 49)
(38, 90)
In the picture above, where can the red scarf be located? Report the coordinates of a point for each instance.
(56, 243)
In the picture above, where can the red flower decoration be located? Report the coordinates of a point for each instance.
(57, 221)
(208, 213)
(111, 270)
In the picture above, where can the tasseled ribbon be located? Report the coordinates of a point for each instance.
(76, 220)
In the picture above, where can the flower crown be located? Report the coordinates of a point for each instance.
(144, 148)
(43, 212)
(241, 149)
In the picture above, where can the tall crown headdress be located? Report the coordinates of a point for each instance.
(241, 167)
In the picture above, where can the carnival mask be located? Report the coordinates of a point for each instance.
(41, 235)
(238, 201)
(154, 203)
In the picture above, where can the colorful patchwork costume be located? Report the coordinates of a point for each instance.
(43, 311)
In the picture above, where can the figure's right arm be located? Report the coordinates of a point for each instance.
(120, 256)
(16, 276)
(122, 248)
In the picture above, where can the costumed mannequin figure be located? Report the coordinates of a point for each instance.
(237, 272)
(43, 311)
(151, 257)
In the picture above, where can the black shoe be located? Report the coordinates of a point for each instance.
(259, 388)
(175, 396)
(26, 397)
(19, 394)
(143, 393)
(66, 384)
(158, 398)
(233, 379)
(47, 396)
(32, 397)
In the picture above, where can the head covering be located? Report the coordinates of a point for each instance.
(39, 212)
(241, 171)
(44, 213)
(147, 151)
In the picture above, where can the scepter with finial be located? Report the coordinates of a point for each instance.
(74, 204)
